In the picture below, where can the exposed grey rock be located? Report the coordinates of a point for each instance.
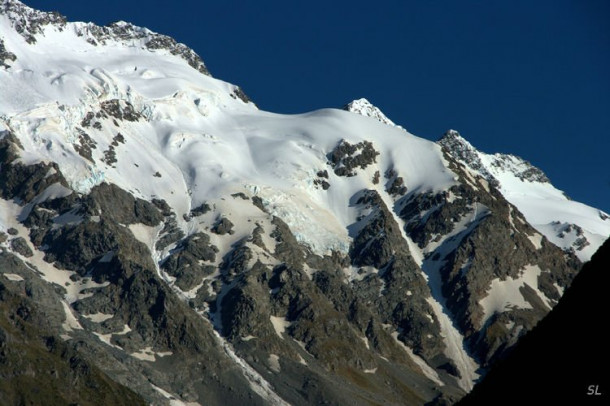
(119, 109)
(257, 238)
(170, 233)
(379, 244)
(241, 195)
(185, 261)
(80, 247)
(6, 57)
(163, 207)
(319, 328)
(238, 93)
(287, 249)
(85, 145)
(345, 157)
(322, 183)
(86, 122)
(200, 210)
(376, 178)
(120, 206)
(20, 246)
(128, 33)
(395, 185)
(321, 180)
(223, 226)
(462, 151)
(258, 202)
(24, 182)
(493, 245)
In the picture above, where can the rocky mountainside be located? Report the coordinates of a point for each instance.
(540, 369)
(184, 247)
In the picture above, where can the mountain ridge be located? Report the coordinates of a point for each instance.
(325, 256)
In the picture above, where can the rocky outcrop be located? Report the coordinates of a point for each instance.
(20, 181)
(473, 237)
(6, 57)
(36, 365)
(29, 22)
(298, 328)
(572, 329)
(345, 157)
(395, 283)
(187, 261)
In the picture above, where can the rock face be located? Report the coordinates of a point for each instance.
(535, 370)
(345, 158)
(36, 366)
(188, 248)
(476, 242)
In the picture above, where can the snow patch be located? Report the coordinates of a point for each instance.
(505, 294)
(560, 289)
(98, 317)
(280, 324)
(144, 354)
(536, 240)
(257, 383)
(274, 363)
(455, 349)
(71, 323)
(12, 277)
(105, 338)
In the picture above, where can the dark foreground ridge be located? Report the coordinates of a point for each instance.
(563, 360)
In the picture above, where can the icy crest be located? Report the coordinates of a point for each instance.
(529, 189)
(31, 24)
(365, 108)
(27, 21)
(461, 150)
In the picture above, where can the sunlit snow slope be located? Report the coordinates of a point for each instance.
(200, 139)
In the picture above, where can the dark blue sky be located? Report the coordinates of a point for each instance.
(530, 78)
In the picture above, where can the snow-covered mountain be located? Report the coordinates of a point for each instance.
(570, 225)
(168, 224)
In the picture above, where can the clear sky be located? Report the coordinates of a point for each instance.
(531, 78)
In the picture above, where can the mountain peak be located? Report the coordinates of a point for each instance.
(490, 167)
(31, 25)
(365, 108)
(456, 146)
(27, 21)
(453, 137)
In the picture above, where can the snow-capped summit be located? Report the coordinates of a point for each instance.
(458, 147)
(33, 25)
(568, 224)
(363, 107)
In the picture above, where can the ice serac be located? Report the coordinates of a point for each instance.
(157, 221)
